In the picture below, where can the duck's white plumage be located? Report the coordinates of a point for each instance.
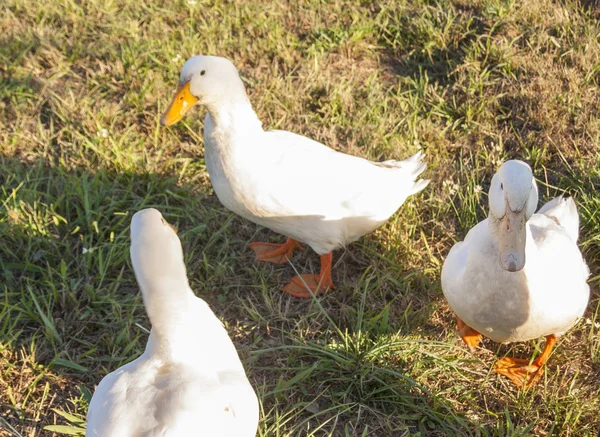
(287, 182)
(546, 297)
(189, 380)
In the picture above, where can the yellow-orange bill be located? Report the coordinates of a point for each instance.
(174, 228)
(181, 104)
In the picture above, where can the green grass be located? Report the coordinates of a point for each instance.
(473, 83)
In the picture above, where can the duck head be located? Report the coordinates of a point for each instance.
(513, 198)
(207, 80)
(155, 249)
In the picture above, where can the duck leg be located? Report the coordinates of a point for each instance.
(468, 334)
(520, 372)
(306, 285)
(275, 253)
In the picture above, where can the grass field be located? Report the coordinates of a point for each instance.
(472, 83)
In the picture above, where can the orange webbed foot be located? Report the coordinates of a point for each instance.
(520, 371)
(471, 337)
(306, 285)
(300, 285)
(273, 252)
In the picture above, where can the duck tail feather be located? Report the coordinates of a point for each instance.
(419, 185)
(409, 168)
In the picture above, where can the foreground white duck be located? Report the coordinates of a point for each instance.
(518, 275)
(286, 182)
(189, 380)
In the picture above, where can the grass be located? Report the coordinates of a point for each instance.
(472, 83)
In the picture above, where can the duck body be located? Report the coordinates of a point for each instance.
(301, 188)
(155, 396)
(189, 380)
(546, 297)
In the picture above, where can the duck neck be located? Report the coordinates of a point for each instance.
(233, 114)
(168, 304)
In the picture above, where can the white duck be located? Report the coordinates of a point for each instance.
(518, 275)
(189, 380)
(287, 182)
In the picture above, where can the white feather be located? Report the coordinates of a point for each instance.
(189, 380)
(564, 211)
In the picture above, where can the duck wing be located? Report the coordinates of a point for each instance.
(311, 178)
(564, 213)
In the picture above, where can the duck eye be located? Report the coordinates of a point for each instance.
(203, 72)
(163, 221)
(501, 186)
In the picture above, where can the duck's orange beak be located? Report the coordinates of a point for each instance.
(182, 102)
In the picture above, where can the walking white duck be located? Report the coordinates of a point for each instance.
(517, 275)
(286, 182)
(189, 380)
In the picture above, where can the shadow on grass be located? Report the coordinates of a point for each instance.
(69, 290)
(430, 41)
(69, 293)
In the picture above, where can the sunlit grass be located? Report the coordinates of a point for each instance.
(472, 84)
